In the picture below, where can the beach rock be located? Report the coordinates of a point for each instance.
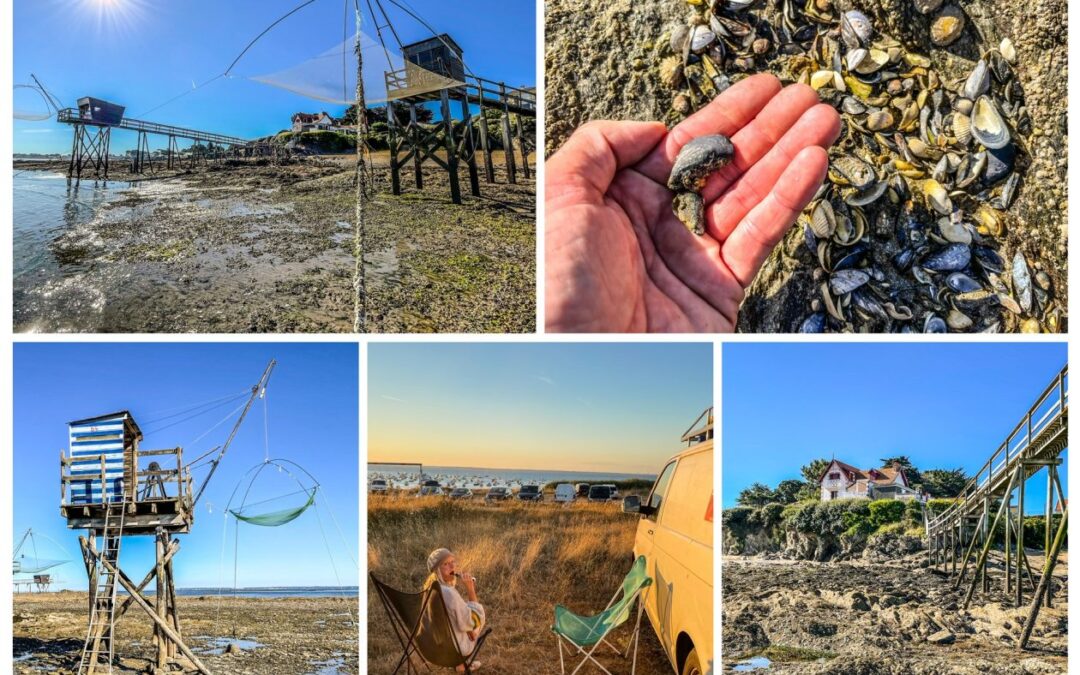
(859, 602)
(942, 637)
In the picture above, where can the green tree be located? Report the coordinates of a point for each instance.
(756, 495)
(944, 482)
(789, 491)
(811, 472)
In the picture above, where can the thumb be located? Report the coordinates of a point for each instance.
(597, 150)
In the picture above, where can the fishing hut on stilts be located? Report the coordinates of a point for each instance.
(112, 488)
(434, 71)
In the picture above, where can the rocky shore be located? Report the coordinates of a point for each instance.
(880, 617)
(255, 246)
(237, 636)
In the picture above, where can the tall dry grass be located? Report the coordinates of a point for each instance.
(526, 557)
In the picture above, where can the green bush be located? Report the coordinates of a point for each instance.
(1035, 531)
(827, 518)
(913, 511)
(892, 528)
(328, 141)
(886, 511)
(939, 506)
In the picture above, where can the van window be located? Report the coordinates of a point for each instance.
(656, 497)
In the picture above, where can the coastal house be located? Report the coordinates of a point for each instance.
(312, 122)
(843, 481)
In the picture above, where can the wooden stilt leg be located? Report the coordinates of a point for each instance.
(469, 145)
(392, 135)
(415, 133)
(485, 144)
(451, 150)
(523, 146)
(159, 600)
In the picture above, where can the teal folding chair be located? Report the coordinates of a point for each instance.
(588, 632)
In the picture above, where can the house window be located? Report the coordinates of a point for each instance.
(834, 475)
(832, 494)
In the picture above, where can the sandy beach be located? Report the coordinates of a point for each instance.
(294, 635)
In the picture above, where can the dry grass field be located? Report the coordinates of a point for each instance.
(526, 558)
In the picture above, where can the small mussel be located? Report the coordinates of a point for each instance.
(987, 125)
(949, 259)
(856, 29)
(947, 27)
(1021, 279)
(695, 161)
(962, 283)
(846, 281)
(815, 323)
(935, 324)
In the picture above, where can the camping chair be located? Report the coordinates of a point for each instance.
(589, 631)
(422, 626)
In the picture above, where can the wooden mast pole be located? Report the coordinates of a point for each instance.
(261, 385)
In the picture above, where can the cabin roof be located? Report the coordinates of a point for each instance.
(128, 420)
(415, 46)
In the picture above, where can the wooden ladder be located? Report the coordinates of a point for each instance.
(99, 635)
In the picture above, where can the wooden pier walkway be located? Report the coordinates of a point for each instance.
(984, 514)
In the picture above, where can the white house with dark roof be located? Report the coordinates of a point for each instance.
(312, 122)
(843, 481)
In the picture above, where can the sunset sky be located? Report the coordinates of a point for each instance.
(574, 407)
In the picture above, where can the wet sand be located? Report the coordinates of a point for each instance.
(881, 618)
(297, 635)
(250, 246)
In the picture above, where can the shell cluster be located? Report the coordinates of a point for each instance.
(907, 233)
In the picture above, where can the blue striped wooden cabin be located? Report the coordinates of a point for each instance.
(108, 442)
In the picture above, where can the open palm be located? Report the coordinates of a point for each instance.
(618, 260)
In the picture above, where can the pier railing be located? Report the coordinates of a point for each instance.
(1030, 438)
(71, 116)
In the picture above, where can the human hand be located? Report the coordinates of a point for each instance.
(469, 581)
(618, 260)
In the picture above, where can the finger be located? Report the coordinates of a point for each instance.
(596, 151)
(755, 140)
(726, 114)
(765, 225)
(819, 126)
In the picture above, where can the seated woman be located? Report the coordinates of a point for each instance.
(467, 617)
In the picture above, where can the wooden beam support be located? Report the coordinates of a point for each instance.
(1045, 581)
(173, 549)
(145, 606)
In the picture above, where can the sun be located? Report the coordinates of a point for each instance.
(115, 16)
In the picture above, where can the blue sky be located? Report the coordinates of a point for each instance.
(557, 406)
(943, 405)
(310, 417)
(141, 54)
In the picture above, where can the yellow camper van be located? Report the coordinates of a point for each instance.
(675, 534)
